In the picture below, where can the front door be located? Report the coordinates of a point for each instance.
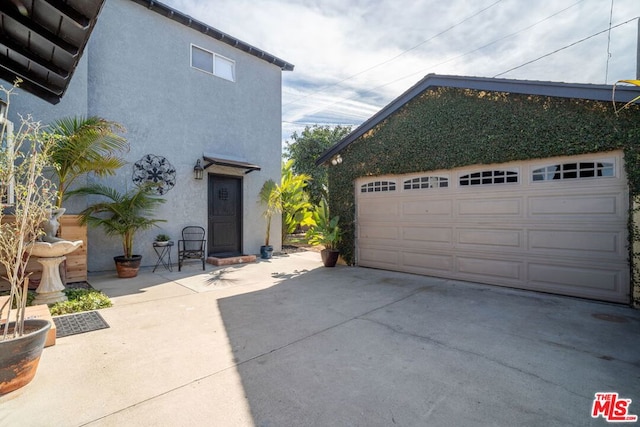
(225, 216)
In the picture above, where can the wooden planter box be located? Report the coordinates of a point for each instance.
(70, 229)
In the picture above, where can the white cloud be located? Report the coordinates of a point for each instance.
(353, 57)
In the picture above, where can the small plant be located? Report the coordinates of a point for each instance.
(162, 238)
(271, 198)
(324, 229)
(80, 300)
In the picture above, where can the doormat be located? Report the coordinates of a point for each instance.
(78, 323)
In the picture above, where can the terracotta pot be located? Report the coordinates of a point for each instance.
(127, 267)
(329, 257)
(19, 357)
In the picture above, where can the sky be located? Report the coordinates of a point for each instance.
(353, 57)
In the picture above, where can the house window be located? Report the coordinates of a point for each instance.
(378, 186)
(213, 63)
(426, 182)
(490, 177)
(573, 171)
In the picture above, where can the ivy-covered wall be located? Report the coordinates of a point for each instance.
(445, 128)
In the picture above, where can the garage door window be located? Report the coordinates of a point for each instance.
(426, 182)
(573, 171)
(378, 186)
(489, 178)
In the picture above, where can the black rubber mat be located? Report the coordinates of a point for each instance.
(78, 323)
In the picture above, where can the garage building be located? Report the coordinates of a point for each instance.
(514, 183)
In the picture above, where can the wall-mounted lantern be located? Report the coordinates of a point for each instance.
(198, 170)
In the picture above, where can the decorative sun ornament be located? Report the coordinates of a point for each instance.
(156, 169)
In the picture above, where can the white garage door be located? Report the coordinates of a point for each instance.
(556, 225)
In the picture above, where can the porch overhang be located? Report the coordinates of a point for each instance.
(41, 42)
(232, 163)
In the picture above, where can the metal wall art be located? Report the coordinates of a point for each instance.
(156, 169)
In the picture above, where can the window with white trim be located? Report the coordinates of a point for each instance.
(426, 182)
(490, 177)
(212, 63)
(378, 186)
(574, 170)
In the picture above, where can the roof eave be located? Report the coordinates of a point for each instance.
(527, 87)
(176, 15)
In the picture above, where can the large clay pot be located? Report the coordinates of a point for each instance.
(127, 267)
(329, 257)
(19, 357)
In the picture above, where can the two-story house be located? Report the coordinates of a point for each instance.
(186, 93)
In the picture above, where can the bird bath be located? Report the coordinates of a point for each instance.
(50, 254)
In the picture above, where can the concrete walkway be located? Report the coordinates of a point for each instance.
(287, 342)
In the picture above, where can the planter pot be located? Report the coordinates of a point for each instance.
(19, 357)
(127, 267)
(266, 251)
(163, 243)
(329, 257)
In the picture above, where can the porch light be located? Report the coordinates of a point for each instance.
(198, 170)
(336, 160)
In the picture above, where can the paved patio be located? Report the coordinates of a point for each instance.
(287, 342)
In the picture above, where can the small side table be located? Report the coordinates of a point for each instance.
(163, 250)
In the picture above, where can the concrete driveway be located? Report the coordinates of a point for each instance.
(287, 342)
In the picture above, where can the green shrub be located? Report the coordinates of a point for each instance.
(80, 300)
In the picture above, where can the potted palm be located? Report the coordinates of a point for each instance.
(325, 231)
(23, 156)
(122, 215)
(271, 198)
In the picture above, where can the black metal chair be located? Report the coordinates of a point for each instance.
(192, 245)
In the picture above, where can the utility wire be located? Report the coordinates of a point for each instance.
(421, 71)
(322, 89)
(606, 72)
(565, 47)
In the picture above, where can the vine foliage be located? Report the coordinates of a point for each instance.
(445, 128)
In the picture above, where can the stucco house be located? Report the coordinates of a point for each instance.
(187, 93)
(524, 184)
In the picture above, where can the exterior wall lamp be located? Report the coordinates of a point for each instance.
(336, 160)
(198, 170)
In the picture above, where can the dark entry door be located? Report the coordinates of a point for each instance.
(225, 215)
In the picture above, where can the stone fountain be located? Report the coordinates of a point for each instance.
(50, 252)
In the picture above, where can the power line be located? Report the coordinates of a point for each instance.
(565, 47)
(324, 88)
(606, 72)
(422, 70)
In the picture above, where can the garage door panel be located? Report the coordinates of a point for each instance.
(492, 207)
(578, 243)
(490, 238)
(490, 268)
(427, 263)
(428, 234)
(377, 208)
(372, 257)
(425, 208)
(379, 231)
(564, 235)
(600, 283)
(577, 206)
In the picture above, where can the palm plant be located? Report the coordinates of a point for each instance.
(84, 145)
(121, 214)
(271, 198)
